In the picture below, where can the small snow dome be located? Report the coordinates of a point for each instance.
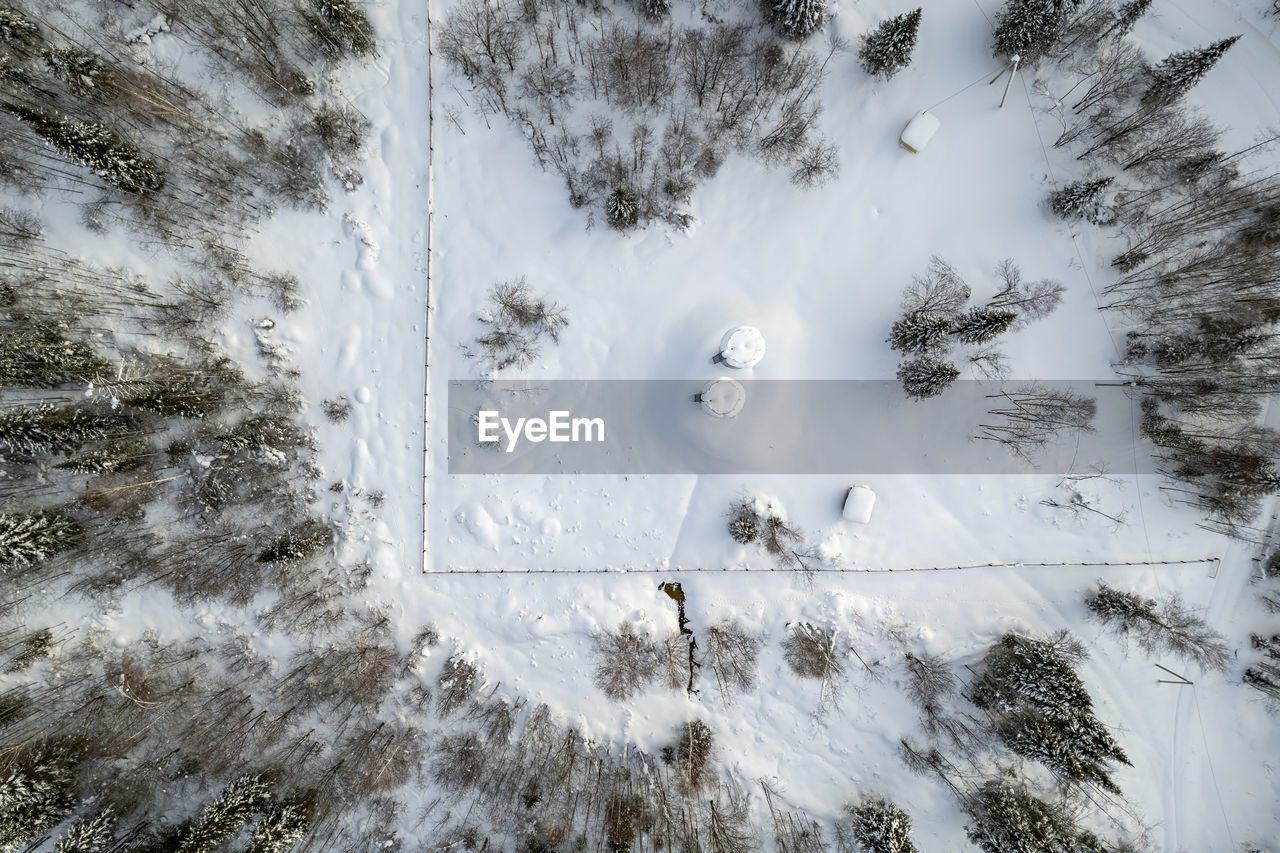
(858, 504)
(742, 346)
(723, 397)
(919, 131)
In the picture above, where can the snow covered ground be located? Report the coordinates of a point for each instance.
(820, 273)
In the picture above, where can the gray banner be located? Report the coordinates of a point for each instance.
(791, 427)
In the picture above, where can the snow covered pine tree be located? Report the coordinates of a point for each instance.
(921, 331)
(1029, 28)
(887, 49)
(1178, 72)
(881, 827)
(1081, 200)
(926, 376)
(799, 18)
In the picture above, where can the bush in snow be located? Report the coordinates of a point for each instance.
(881, 827)
(517, 323)
(887, 49)
(1082, 200)
(626, 662)
(925, 376)
(921, 332)
(35, 646)
(98, 147)
(1032, 415)
(744, 522)
(298, 544)
(221, 819)
(693, 753)
(798, 18)
(656, 9)
(1177, 73)
(1166, 627)
(734, 653)
(458, 680)
(343, 27)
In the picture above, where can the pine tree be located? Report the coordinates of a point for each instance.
(887, 49)
(1008, 818)
(1044, 711)
(43, 359)
(1169, 627)
(656, 10)
(48, 429)
(31, 803)
(17, 30)
(799, 18)
(881, 827)
(239, 802)
(96, 146)
(108, 459)
(27, 539)
(622, 209)
(1179, 72)
(1128, 15)
(1081, 200)
(89, 834)
(1029, 28)
(693, 751)
(921, 332)
(297, 545)
(926, 376)
(279, 830)
(982, 325)
(344, 27)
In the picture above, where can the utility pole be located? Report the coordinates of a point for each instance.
(1012, 68)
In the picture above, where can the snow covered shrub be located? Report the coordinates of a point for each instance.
(925, 376)
(798, 18)
(30, 538)
(744, 521)
(887, 49)
(1082, 200)
(237, 804)
(921, 332)
(17, 30)
(622, 209)
(811, 652)
(815, 166)
(336, 410)
(734, 654)
(517, 324)
(1042, 710)
(299, 544)
(98, 147)
(342, 129)
(626, 662)
(458, 680)
(881, 827)
(343, 27)
(1177, 73)
(1168, 627)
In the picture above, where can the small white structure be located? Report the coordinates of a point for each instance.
(723, 397)
(919, 131)
(858, 504)
(742, 346)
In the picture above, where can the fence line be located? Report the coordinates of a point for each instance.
(829, 569)
(426, 307)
